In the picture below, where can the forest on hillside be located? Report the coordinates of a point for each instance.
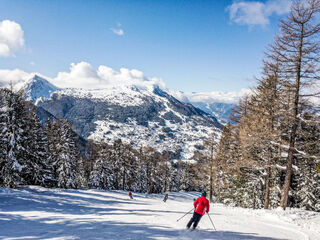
(53, 156)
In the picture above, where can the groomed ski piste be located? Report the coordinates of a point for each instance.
(40, 213)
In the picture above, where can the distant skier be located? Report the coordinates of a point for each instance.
(130, 195)
(165, 197)
(201, 207)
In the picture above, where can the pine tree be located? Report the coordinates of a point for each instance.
(3, 134)
(82, 180)
(131, 167)
(187, 177)
(140, 184)
(66, 160)
(298, 50)
(126, 167)
(53, 136)
(164, 171)
(14, 135)
(117, 160)
(42, 173)
(100, 175)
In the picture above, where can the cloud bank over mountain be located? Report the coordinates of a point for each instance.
(211, 97)
(16, 77)
(83, 75)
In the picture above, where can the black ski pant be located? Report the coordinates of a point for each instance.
(195, 220)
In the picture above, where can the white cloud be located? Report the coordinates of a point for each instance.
(211, 97)
(15, 76)
(83, 75)
(257, 13)
(11, 38)
(118, 31)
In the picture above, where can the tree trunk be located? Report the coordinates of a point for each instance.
(165, 181)
(211, 183)
(211, 173)
(287, 183)
(267, 193)
(123, 179)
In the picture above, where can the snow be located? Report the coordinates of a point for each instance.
(121, 95)
(41, 213)
(180, 133)
(4, 109)
(187, 135)
(37, 88)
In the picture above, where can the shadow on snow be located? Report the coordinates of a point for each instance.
(77, 214)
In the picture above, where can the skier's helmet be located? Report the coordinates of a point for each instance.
(204, 194)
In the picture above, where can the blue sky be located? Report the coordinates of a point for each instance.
(192, 45)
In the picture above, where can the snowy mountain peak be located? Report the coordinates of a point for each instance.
(38, 87)
(139, 114)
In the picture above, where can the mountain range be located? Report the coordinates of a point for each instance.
(138, 115)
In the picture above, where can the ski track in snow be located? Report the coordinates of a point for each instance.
(40, 213)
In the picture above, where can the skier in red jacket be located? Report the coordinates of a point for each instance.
(201, 207)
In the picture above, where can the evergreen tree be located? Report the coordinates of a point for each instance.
(140, 183)
(82, 180)
(187, 177)
(100, 175)
(24, 153)
(53, 135)
(164, 171)
(117, 163)
(14, 137)
(42, 173)
(66, 169)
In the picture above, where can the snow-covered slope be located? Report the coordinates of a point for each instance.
(140, 115)
(40, 213)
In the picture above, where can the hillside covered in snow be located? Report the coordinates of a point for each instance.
(138, 114)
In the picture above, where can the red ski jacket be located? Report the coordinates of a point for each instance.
(201, 205)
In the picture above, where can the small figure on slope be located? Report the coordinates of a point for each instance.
(201, 207)
(165, 197)
(130, 195)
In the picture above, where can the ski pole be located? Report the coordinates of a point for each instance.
(185, 214)
(212, 222)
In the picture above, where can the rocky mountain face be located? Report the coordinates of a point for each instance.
(138, 115)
